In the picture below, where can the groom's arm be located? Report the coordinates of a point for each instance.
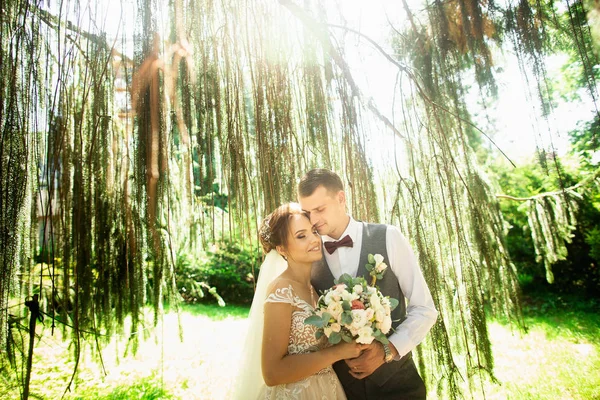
(420, 312)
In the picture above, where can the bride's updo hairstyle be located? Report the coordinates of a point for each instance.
(275, 228)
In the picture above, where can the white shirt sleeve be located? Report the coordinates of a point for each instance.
(420, 311)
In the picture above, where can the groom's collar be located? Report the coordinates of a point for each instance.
(352, 229)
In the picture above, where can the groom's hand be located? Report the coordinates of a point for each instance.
(370, 359)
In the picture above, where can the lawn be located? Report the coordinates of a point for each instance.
(558, 358)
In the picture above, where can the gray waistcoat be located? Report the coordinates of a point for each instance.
(373, 242)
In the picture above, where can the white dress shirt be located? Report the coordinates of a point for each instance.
(420, 311)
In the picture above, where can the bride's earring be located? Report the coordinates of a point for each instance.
(281, 253)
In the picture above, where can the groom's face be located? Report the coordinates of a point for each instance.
(327, 211)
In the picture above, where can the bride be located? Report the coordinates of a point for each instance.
(282, 359)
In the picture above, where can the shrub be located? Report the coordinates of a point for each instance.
(191, 281)
(231, 270)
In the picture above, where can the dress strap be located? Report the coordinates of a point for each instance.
(283, 295)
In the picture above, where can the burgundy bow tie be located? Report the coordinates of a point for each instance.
(346, 241)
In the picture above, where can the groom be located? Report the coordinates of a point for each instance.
(382, 371)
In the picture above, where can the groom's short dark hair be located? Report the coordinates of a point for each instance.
(319, 177)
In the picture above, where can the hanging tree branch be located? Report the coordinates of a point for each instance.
(420, 89)
(582, 183)
(53, 22)
(551, 218)
(321, 33)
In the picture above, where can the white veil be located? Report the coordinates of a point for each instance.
(249, 381)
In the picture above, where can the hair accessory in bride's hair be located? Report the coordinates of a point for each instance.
(265, 231)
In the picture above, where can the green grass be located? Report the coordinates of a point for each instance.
(216, 313)
(146, 389)
(557, 358)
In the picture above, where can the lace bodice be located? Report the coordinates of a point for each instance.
(302, 336)
(323, 385)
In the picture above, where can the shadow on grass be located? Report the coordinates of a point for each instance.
(570, 316)
(563, 315)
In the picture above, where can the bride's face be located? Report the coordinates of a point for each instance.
(304, 243)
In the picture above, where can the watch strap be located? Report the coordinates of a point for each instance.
(388, 356)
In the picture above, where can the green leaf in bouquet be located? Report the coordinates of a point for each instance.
(369, 267)
(380, 337)
(335, 338)
(319, 322)
(393, 303)
(346, 305)
(319, 333)
(346, 279)
(346, 318)
(379, 276)
(347, 338)
(359, 280)
(371, 259)
(314, 320)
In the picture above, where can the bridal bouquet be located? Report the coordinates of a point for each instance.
(353, 310)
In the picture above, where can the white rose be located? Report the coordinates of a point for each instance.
(381, 267)
(379, 315)
(387, 309)
(335, 309)
(386, 325)
(327, 331)
(328, 298)
(375, 301)
(359, 318)
(369, 314)
(337, 327)
(347, 296)
(358, 289)
(365, 335)
(378, 259)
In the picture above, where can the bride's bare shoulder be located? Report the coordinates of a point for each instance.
(280, 283)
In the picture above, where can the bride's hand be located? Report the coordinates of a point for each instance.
(350, 350)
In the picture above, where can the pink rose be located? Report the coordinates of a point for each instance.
(358, 305)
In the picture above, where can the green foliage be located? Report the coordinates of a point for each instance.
(146, 389)
(575, 269)
(232, 269)
(190, 280)
(226, 273)
(585, 142)
(214, 197)
(592, 238)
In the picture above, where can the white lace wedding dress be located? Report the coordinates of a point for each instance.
(322, 385)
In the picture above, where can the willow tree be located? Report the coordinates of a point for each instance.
(117, 154)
